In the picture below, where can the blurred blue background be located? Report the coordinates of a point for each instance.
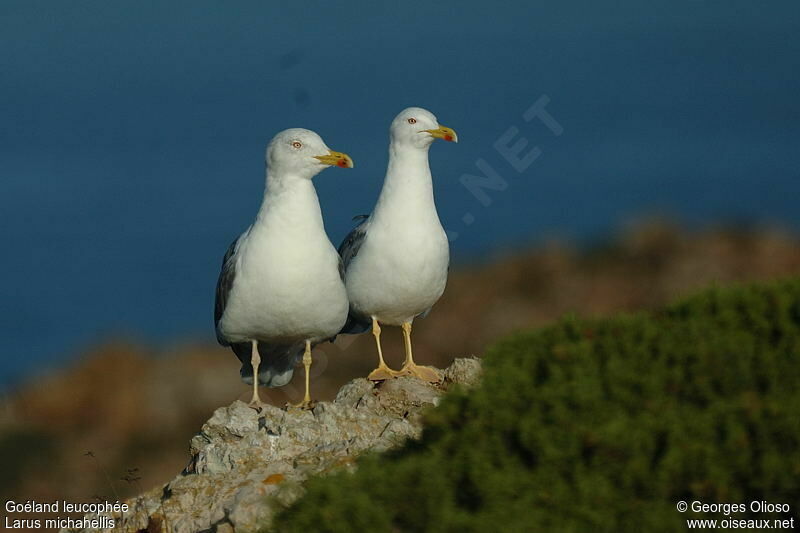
(133, 134)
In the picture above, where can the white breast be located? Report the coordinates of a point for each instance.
(399, 272)
(287, 284)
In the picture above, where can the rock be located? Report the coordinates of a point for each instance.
(245, 465)
(466, 372)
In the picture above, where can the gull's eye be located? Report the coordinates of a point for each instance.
(297, 144)
(412, 121)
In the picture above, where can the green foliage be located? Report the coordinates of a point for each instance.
(597, 425)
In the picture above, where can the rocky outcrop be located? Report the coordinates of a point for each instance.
(245, 465)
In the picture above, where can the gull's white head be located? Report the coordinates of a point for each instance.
(418, 127)
(302, 153)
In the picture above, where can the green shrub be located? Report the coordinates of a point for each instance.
(597, 425)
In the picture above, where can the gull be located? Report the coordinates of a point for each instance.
(281, 291)
(396, 260)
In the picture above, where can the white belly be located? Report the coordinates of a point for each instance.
(286, 291)
(398, 274)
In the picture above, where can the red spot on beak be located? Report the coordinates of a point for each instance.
(448, 138)
(341, 163)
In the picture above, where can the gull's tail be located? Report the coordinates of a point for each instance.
(356, 324)
(277, 362)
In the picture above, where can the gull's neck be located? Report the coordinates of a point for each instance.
(407, 192)
(291, 202)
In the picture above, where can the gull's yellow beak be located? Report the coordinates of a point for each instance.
(443, 132)
(336, 159)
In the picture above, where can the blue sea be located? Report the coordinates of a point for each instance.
(132, 136)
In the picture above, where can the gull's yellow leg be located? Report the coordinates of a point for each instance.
(425, 373)
(255, 360)
(307, 403)
(383, 371)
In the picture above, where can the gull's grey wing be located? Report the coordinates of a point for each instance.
(351, 244)
(225, 282)
(348, 251)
